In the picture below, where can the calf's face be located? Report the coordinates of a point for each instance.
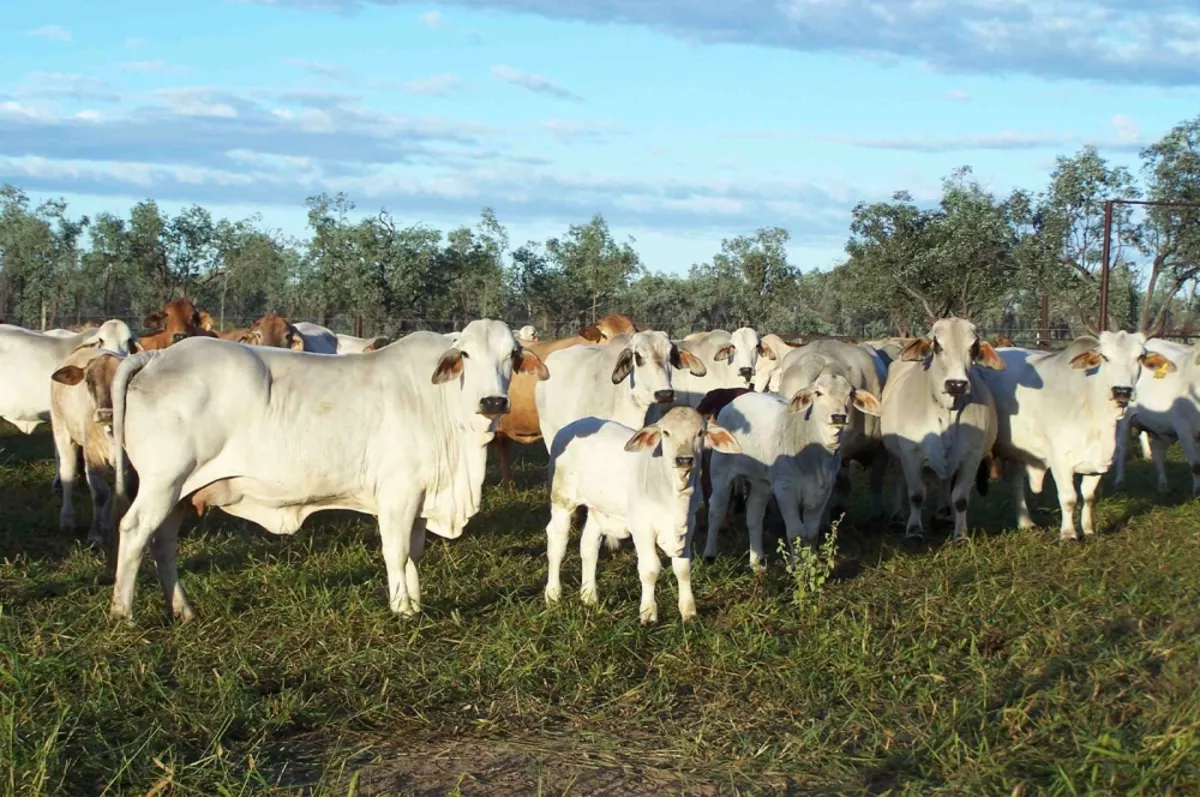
(952, 347)
(483, 360)
(115, 336)
(1117, 358)
(647, 361)
(743, 352)
(98, 376)
(684, 435)
(274, 330)
(827, 403)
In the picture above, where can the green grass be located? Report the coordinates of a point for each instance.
(1007, 665)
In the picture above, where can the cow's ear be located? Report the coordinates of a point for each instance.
(295, 341)
(591, 333)
(724, 353)
(917, 350)
(866, 402)
(988, 358)
(718, 438)
(646, 438)
(624, 366)
(1086, 360)
(1157, 363)
(801, 400)
(764, 350)
(449, 366)
(134, 346)
(154, 321)
(526, 362)
(682, 358)
(68, 375)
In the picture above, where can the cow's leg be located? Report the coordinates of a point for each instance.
(960, 497)
(64, 455)
(1187, 441)
(416, 549)
(1158, 454)
(899, 495)
(101, 511)
(756, 510)
(914, 480)
(649, 566)
(878, 472)
(718, 505)
(558, 531)
(153, 505)
(502, 446)
(1016, 478)
(589, 553)
(682, 565)
(164, 549)
(811, 515)
(1064, 480)
(396, 520)
(1087, 486)
(1121, 453)
(1144, 441)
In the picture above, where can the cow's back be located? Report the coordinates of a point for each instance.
(27, 359)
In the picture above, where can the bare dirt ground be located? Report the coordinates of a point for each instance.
(524, 766)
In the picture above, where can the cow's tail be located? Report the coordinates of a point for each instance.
(128, 369)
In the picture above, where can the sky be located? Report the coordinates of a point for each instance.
(683, 122)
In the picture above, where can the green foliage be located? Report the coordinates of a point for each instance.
(811, 566)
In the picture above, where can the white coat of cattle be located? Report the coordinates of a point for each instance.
(789, 449)
(731, 359)
(1059, 412)
(860, 366)
(634, 483)
(28, 358)
(272, 436)
(939, 416)
(81, 419)
(618, 382)
(767, 369)
(1166, 410)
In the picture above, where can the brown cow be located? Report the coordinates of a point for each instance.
(176, 321)
(521, 421)
(81, 419)
(271, 330)
(1005, 340)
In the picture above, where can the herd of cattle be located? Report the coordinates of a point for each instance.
(278, 421)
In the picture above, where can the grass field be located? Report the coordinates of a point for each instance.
(1007, 665)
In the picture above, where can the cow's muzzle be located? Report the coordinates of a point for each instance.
(957, 387)
(746, 373)
(838, 419)
(1122, 395)
(684, 462)
(492, 406)
(664, 396)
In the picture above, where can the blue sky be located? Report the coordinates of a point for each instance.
(682, 122)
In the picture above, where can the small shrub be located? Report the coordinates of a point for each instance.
(810, 567)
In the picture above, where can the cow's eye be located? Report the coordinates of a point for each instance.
(937, 346)
(637, 358)
(465, 355)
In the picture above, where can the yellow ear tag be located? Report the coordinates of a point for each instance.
(1160, 371)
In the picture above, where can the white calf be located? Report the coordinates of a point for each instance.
(634, 483)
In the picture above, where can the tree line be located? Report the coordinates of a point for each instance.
(993, 258)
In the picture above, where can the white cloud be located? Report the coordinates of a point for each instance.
(1126, 129)
(53, 32)
(66, 86)
(135, 42)
(957, 95)
(532, 82)
(434, 86)
(566, 129)
(331, 71)
(156, 66)
(433, 19)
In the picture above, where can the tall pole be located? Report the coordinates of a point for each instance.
(1044, 332)
(1104, 266)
